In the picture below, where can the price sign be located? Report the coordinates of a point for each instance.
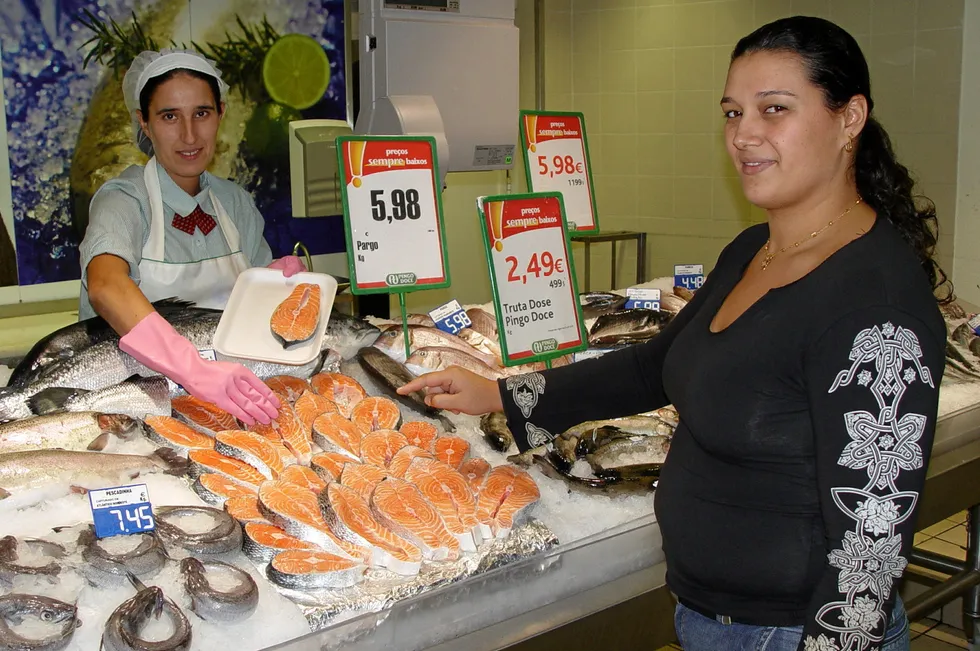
(974, 323)
(451, 317)
(532, 276)
(392, 214)
(592, 353)
(556, 159)
(689, 276)
(645, 299)
(121, 510)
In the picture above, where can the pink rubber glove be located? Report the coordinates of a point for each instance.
(289, 265)
(232, 387)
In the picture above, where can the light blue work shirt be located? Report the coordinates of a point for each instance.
(119, 224)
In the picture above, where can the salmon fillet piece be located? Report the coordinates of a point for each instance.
(400, 506)
(507, 496)
(262, 541)
(175, 434)
(209, 461)
(403, 459)
(375, 413)
(261, 453)
(342, 389)
(329, 465)
(449, 493)
(202, 415)
(379, 448)
(288, 387)
(362, 478)
(334, 433)
(304, 569)
(420, 434)
(303, 477)
(310, 405)
(295, 319)
(451, 450)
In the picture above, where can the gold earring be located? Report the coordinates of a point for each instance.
(849, 147)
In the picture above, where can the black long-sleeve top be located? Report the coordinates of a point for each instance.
(788, 496)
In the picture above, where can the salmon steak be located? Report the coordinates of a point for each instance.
(303, 569)
(288, 387)
(451, 450)
(508, 495)
(202, 415)
(172, 433)
(214, 488)
(289, 430)
(449, 493)
(350, 518)
(343, 390)
(420, 434)
(403, 459)
(248, 447)
(295, 319)
(375, 413)
(245, 509)
(262, 541)
(362, 478)
(304, 477)
(379, 448)
(296, 511)
(329, 465)
(208, 461)
(475, 472)
(334, 433)
(400, 506)
(310, 405)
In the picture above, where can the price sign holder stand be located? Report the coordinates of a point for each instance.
(488, 248)
(529, 143)
(354, 169)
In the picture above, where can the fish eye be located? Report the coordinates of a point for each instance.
(47, 616)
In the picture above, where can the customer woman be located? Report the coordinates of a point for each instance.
(806, 371)
(172, 229)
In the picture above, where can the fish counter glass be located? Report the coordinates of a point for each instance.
(360, 519)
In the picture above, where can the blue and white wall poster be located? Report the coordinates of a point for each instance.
(67, 131)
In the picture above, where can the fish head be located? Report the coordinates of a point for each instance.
(120, 424)
(190, 566)
(57, 612)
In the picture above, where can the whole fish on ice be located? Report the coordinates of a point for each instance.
(14, 608)
(126, 623)
(137, 397)
(68, 431)
(211, 603)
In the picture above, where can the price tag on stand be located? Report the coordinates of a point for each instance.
(392, 214)
(556, 159)
(532, 276)
(121, 510)
(451, 317)
(645, 299)
(689, 276)
(592, 353)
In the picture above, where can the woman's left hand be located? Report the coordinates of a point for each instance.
(290, 265)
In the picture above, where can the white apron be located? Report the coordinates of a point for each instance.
(207, 283)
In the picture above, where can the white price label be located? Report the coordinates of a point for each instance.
(534, 287)
(393, 213)
(643, 298)
(557, 160)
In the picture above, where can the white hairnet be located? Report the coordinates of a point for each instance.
(152, 64)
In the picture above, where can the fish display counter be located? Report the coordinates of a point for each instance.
(295, 536)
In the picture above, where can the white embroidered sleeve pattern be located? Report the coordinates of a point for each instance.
(886, 361)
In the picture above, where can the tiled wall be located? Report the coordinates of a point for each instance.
(648, 75)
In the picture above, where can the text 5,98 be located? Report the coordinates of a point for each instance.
(404, 205)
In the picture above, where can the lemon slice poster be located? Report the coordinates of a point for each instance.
(392, 214)
(532, 276)
(283, 61)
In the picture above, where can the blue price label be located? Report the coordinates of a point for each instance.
(121, 510)
(593, 353)
(644, 299)
(451, 317)
(974, 323)
(689, 276)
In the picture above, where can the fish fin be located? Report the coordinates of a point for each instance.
(99, 443)
(172, 304)
(52, 399)
(175, 464)
(78, 490)
(4, 494)
(139, 585)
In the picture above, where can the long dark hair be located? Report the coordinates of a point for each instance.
(836, 65)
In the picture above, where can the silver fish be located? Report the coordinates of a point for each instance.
(147, 558)
(393, 375)
(347, 334)
(9, 567)
(225, 536)
(672, 303)
(122, 629)
(550, 466)
(634, 451)
(103, 365)
(963, 334)
(483, 322)
(437, 358)
(392, 342)
(644, 424)
(15, 607)
(482, 343)
(628, 326)
(137, 397)
(69, 431)
(421, 319)
(211, 604)
(24, 474)
(595, 304)
(65, 342)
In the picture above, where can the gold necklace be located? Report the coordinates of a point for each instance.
(770, 256)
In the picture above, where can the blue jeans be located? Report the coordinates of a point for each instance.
(695, 632)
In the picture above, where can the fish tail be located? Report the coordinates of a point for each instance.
(174, 463)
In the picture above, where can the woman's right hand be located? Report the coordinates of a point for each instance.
(457, 390)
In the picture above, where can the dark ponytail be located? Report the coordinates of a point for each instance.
(837, 66)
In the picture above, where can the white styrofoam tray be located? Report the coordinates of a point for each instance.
(244, 329)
